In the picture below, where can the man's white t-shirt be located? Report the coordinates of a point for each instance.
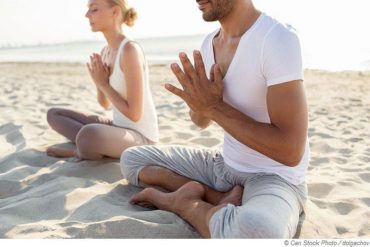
(268, 53)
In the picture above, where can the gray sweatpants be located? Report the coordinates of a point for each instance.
(270, 206)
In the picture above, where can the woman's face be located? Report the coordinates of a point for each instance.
(100, 15)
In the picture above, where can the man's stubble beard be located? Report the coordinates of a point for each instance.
(220, 9)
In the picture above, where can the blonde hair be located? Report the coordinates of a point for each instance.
(129, 14)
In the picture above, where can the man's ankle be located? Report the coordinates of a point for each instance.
(212, 196)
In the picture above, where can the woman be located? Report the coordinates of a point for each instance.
(120, 75)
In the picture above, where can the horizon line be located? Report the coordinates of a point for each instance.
(81, 41)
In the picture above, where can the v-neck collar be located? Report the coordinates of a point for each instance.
(246, 34)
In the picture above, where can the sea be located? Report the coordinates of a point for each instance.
(164, 50)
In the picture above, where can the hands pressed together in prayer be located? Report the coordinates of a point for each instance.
(99, 71)
(201, 94)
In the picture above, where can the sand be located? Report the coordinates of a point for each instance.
(44, 197)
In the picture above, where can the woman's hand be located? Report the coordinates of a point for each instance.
(99, 71)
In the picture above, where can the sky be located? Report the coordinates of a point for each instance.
(49, 21)
(338, 28)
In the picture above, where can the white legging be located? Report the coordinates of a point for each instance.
(95, 136)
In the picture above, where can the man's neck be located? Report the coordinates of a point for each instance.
(241, 18)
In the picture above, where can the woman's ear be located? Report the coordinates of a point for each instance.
(116, 11)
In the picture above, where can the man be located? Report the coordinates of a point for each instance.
(256, 187)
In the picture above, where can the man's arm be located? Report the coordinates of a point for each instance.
(199, 120)
(284, 139)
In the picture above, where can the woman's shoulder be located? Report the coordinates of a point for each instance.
(131, 51)
(132, 47)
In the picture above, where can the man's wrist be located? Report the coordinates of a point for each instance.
(214, 111)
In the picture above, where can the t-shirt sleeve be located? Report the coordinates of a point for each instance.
(281, 56)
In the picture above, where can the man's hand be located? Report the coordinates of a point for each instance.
(200, 93)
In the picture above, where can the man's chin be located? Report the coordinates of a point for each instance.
(208, 18)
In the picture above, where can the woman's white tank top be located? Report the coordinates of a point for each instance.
(148, 124)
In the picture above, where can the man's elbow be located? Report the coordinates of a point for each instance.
(292, 162)
(293, 156)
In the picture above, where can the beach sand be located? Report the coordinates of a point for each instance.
(44, 197)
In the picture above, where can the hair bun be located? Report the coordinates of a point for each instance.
(130, 17)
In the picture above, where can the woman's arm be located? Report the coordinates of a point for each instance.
(102, 99)
(133, 69)
(99, 75)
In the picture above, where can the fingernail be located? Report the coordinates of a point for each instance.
(196, 52)
(182, 55)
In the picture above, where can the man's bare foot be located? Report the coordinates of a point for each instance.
(187, 202)
(60, 152)
(173, 201)
(233, 196)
